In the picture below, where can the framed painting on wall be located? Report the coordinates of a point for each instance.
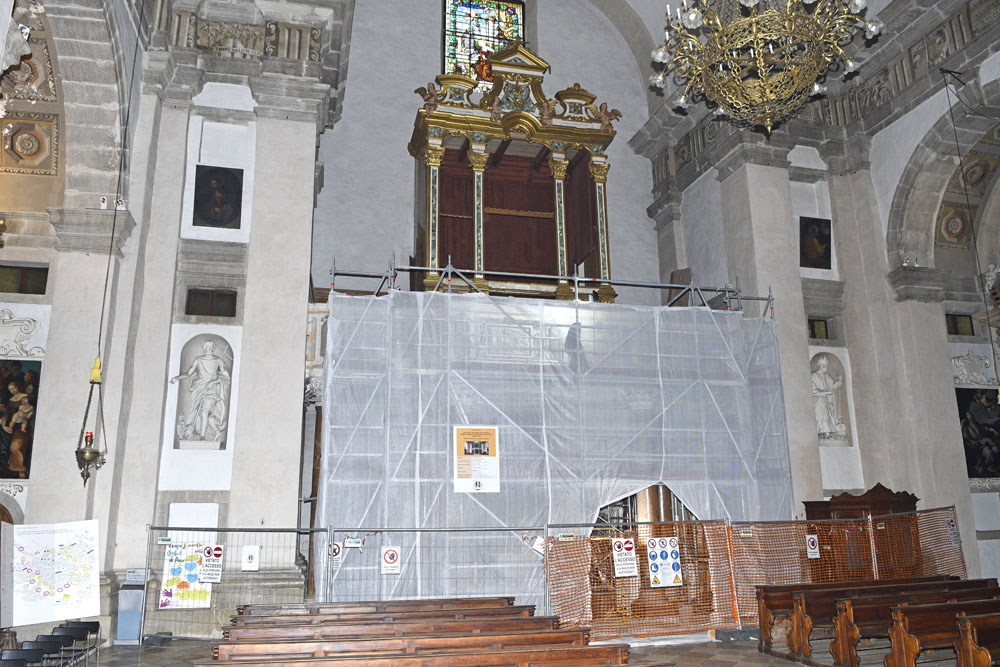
(814, 243)
(218, 197)
(980, 418)
(18, 399)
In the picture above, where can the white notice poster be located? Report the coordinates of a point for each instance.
(251, 558)
(211, 564)
(812, 546)
(55, 572)
(390, 560)
(663, 559)
(623, 554)
(477, 459)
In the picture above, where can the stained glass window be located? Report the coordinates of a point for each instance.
(474, 30)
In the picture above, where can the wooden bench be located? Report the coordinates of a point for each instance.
(523, 611)
(398, 628)
(978, 643)
(817, 608)
(563, 656)
(774, 601)
(918, 627)
(370, 606)
(432, 643)
(870, 617)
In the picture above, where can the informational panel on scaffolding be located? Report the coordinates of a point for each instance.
(664, 562)
(623, 553)
(50, 572)
(477, 459)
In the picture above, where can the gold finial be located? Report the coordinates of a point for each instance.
(95, 372)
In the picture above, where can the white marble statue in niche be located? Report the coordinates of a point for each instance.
(830, 399)
(203, 396)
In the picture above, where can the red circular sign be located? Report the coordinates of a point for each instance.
(629, 545)
(812, 543)
(218, 552)
(390, 556)
(618, 545)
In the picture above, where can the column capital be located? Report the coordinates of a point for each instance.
(759, 153)
(433, 155)
(478, 160)
(599, 170)
(291, 98)
(558, 168)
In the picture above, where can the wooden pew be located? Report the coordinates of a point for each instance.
(817, 608)
(918, 627)
(774, 601)
(563, 656)
(370, 606)
(868, 617)
(398, 628)
(523, 611)
(432, 643)
(978, 643)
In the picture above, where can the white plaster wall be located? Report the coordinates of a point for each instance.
(989, 557)
(986, 509)
(704, 240)
(365, 210)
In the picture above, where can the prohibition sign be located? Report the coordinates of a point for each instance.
(811, 543)
(619, 546)
(390, 556)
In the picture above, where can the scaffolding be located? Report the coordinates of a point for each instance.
(593, 402)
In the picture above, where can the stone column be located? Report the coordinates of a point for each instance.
(478, 157)
(433, 155)
(559, 165)
(761, 239)
(599, 171)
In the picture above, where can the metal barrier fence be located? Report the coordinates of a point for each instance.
(718, 566)
(433, 562)
(568, 570)
(252, 566)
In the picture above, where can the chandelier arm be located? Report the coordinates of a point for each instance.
(86, 411)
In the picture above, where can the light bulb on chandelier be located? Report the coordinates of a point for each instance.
(758, 61)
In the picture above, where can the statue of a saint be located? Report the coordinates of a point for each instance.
(829, 424)
(208, 383)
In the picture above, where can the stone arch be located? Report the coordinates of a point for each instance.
(11, 508)
(632, 29)
(917, 201)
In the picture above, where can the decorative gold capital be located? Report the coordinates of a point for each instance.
(433, 155)
(478, 160)
(599, 171)
(558, 168)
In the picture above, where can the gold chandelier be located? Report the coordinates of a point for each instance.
(758, 61)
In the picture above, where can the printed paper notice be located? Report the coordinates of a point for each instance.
(812, 546)
(623, 552)
(211, 564)
(390, 560)
(663, 560)
(477, 459)
(55, 572)
(181, 588)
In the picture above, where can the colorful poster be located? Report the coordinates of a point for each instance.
(623, 552)
(55, 572)
(181, 587)
(477, 459)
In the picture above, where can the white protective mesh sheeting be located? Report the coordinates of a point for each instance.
(593, 402)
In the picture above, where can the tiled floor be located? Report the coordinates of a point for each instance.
(716, 654)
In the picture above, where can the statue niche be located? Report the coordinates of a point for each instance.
(829, 390)
(203, 393)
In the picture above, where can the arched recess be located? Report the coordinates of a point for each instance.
(632, 29)
(10, 510)
(917, 202)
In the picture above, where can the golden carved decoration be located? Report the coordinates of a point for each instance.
(548, 215)
(433, 155)
(558, 168)
(599, 171)
(478, 160)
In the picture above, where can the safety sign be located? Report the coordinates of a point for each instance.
(623, 554)
(390, 560)
(812, 546)
(336, 554)
(251, 558)
(210, 571)
(663, 561)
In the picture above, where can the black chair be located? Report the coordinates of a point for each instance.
(31, 656)
(53, 649)
(93, 629)
(65, 642)
(13, 663)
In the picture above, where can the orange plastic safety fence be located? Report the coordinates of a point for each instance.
(719, 566)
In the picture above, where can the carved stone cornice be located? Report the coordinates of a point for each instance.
(919, 283)
(290, 98)
(89, 230)
(174, 78)
(751, 152)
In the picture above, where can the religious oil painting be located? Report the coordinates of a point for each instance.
(980, 418)
(18, 399)
(203, 393)
(814, 243)
(476, 29)
(218, 194)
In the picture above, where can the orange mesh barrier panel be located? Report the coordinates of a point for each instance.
(719, 565)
